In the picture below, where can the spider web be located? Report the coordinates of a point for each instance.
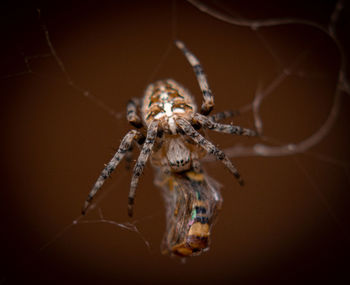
(67, 105)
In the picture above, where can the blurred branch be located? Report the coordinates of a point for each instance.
(342, 84)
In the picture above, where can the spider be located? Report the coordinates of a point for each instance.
(173, 139)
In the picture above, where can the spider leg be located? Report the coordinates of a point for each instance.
(209, 147)
(208, 103)
(131, 113)
(141, 161)
(109, 168)
(222, 128)
(223, 115)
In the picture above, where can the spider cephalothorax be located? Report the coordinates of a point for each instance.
(169, 130)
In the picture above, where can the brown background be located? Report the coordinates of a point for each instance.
(290, 223)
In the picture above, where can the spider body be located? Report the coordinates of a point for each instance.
(169, 132)
(165, 101)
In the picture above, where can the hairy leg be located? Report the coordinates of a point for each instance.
(208, 103)
(222, 128)
(209, 147)
(109, 168)
(141, 161)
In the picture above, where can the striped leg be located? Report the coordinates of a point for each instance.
(208, 103)
(222, 128)
(131, 113)
(209, 147)
(109, 168)
(223, 115)
(141, 161)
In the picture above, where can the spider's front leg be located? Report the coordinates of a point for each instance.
(141, 161)
(208, 103)
(109, 168)
(209, 147)
(222, 128)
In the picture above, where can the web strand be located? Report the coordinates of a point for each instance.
(256, 24)
(341, 86)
